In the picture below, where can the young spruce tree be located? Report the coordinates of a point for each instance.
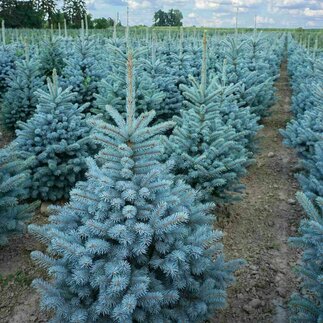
(308, 306)
(7, 65)
(132, 245)
(52, 56)
(19, 102)
(84, 70)
(57, 135)
(14, 180)
(208, 153)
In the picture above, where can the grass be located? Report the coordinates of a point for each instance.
(21, 278)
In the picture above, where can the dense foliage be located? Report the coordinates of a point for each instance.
(19, 102)
(14, 180)
(57, 136)
(308, 306)
(7, 65)
(305, 134)
(133, 244)
(305, 131)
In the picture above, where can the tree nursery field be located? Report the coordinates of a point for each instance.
(161, 175)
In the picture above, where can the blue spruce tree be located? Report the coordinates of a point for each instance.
(57, 135)
(132, 245)
(208, 153)
(226, 103)
(112, 90)
(308, 306)
(304, 133)
(7, 65)
(52, 56)
(84, 70)
(311, 179)
(19, 102)
(14, 180)
(157, 72)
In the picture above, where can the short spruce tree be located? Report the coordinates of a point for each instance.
(14, 180)
(308, 306)
(57, 135)
(132, 245)
(7, 65)
(19, 102)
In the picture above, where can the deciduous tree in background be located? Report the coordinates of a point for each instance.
(171, 18)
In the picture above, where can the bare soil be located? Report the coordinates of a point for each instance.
(259, 226)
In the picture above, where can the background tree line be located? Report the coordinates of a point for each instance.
(44, 13)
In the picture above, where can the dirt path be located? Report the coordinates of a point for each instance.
(261, 223)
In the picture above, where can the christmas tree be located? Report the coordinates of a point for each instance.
(208, 153)
(52, 56)
(7, 65)
(308, 306)
(226, 103)
(57, 135)
(84, 70)
(14, 180)
(112, 90)
(156, 72)
(19, 102)
(304, 132)
(132, 245)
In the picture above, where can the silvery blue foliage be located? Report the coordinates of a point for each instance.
(85, 68)
(7, 65)
(311, 179)
(208, 152)
(303, 66)
(112, 90)
(133, 244)
(52, 56)
(308, 305)
(19, 102)
(305, 132)
(14, 180)
(247, 65)
(57, 136)
(226, 103)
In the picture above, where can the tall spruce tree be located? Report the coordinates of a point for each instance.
(57, 136)
(208, 153)
(14, 180)
(304, 132)
(132, 245)
(19, 102)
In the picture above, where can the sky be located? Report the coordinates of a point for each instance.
(217, 13)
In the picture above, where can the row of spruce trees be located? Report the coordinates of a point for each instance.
(304, 133)
(135, 242)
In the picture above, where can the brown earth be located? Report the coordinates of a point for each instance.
(259, 226)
